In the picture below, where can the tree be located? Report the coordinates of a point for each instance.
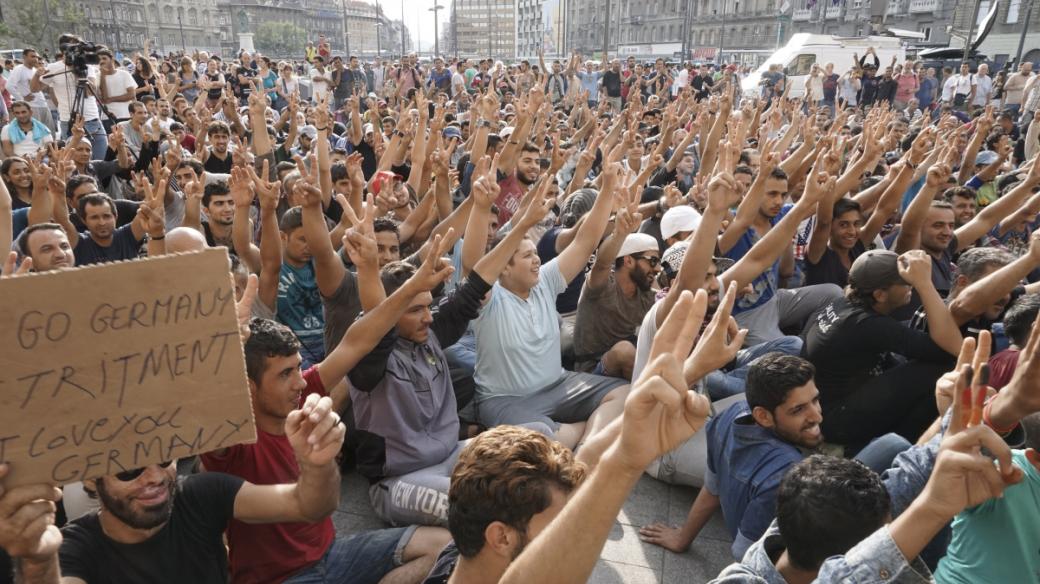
(39, 22)
(280, 39)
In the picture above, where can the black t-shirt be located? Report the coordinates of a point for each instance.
(849, 344)
(124, 246)
(612, 83)
(702, 85)
(830, 270)
(189, 548)
(567, 301)
(218, 166)
(126, 211)
(369, 162)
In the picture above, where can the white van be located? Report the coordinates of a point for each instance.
(804, 49)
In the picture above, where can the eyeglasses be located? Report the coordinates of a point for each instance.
(129, 475)
(652, 260)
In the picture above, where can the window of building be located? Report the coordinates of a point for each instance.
(927, 30)
(983, 11)
(1012, 13)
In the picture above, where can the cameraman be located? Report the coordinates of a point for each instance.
(62, 80)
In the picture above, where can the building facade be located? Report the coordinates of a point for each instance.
(1003, 41)
(540, 27)
(930, 18)
(486, 28)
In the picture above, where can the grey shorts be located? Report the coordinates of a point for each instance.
(570, 399)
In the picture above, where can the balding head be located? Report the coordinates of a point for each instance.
(183, 239)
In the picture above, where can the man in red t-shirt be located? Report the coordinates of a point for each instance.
(306, 552)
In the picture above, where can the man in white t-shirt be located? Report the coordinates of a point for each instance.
(18, 87)
(320, 79)
(24, 136)
(957, 88)
(117, 87)
(982, 87)
(458, 80)
(63, 84)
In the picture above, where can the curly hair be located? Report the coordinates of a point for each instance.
(267, 338)
(506, 474)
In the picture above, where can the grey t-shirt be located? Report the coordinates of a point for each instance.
(341, 309)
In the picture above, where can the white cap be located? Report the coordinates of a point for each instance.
(637, 243)
(506, 132)
(677, 219)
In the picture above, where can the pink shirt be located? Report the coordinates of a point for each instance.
(906, 87)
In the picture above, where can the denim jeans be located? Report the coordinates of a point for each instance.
(879, 454)
(722, 384)
(359, 559)
(95, 133)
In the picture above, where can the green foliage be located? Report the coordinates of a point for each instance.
(39, 22)
(280, 39)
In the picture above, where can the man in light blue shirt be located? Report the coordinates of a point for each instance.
(519, 373)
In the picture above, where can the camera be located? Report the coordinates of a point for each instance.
(78, 55)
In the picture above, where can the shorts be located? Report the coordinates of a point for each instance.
(359, 559)
(570, 399)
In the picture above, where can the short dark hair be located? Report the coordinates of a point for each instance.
(76, 182)
(772, 376)
(385, 224)
(744, 169)
(844, 205)
(826, 505)
(778, 173)
(214, 189)
(962, 192)
(339, 172)
(505, 475)
(196, 166)
(1019, 318)
(291, 220)
(267, 338)
(95, 199)
(23, 238)
(395, 274)
(973, 262)
(218, 127)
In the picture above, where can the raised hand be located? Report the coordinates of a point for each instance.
(359, 240)
(241, 187)
(661, 412)
(270, 191)
(11, 268)
(315, 431)
(434, 269)
(915, 267)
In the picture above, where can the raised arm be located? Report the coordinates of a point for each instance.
(914, 216)
(748, 208)
(916, 268)
(982, 294)
(998, 210)
(626, 222)
(241, 188)
(574, 257)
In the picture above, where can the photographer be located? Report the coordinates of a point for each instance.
(63, 79)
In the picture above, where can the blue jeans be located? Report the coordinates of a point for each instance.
(879, 454)
(95, 133)
(722, 384)
(359, 559)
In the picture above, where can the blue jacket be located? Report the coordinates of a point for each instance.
(745, 465)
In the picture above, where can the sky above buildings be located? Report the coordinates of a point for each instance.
(418, 18)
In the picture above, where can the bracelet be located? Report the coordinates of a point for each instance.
(322, 129)
(160, 238)
(986, 420)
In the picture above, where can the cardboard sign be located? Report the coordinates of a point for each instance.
(112, 367)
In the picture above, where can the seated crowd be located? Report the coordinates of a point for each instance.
(501, 294)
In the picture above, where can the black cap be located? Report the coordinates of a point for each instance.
(875, 269)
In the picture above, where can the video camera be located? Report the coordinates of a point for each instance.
(78, 55)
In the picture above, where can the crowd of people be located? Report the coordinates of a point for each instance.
(503, 293)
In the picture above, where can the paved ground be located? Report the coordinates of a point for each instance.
(625, 558)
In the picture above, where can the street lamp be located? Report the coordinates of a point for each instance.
(180, 25)
(436, 35)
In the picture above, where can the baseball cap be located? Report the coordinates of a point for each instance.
(677, 219)
(309, 131)
(637, 243)
(875, 269)
(985, 157)
(672, 259)
(367, 129)
(452, 132)
(506, 132)
(579, 203)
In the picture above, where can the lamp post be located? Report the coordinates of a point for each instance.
(180, 25)
(606, 33)
(436, 35)
(402, 29)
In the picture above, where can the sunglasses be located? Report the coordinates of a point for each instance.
(652, 260)
(129, 475)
